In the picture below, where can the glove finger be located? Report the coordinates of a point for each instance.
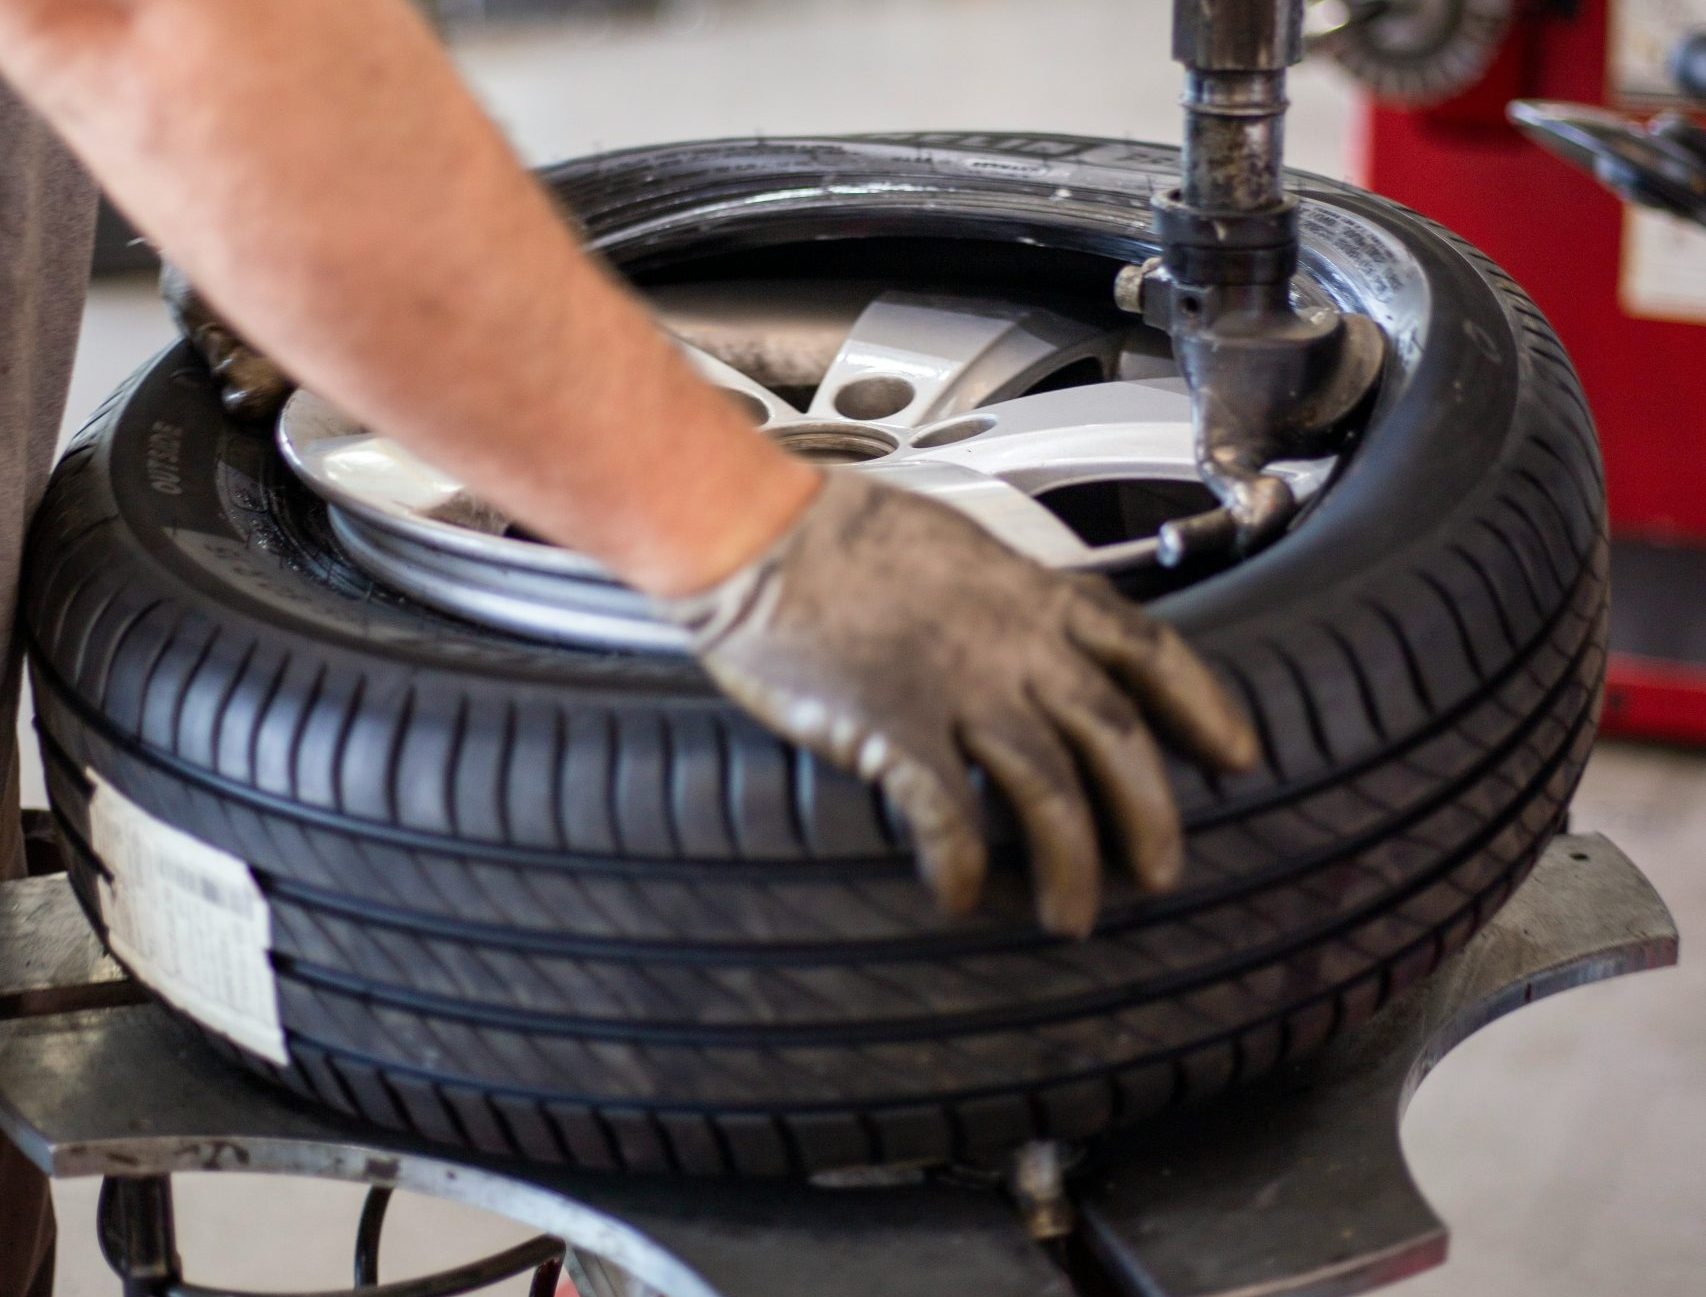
(188, 311)
(1036, 774)
(1109, 735)
(940, 807)
(1174, 686)
(253, 386)
(927, 781)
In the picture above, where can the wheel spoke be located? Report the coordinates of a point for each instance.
(1138, 430)
(913, 360)
(763, 405)
(1005, 511)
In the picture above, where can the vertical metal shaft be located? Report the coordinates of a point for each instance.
(1234, 140)
(1235, 54)
(1266, 380)
(139, 1235)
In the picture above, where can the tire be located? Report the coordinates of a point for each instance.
(572, 906)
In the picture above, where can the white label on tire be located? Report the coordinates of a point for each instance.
(188, 920)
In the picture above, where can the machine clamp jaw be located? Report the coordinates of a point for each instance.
(1269, 380)
(1659, 163)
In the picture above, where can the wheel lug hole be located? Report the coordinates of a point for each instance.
(879, 396)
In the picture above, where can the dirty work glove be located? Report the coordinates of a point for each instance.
(250, 385)
(899, 640)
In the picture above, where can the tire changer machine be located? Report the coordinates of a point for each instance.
(1459, 92)
(1295, 1185)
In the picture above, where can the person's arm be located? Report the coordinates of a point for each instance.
(322, 176)
(318, 170)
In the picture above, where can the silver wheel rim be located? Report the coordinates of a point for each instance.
(951, 396)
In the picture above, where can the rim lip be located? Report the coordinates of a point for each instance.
(349, 507)
(304, 405)
(406, 550)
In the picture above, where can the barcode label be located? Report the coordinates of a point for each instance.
(188, 920)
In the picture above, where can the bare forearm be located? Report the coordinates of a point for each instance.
(320, 172)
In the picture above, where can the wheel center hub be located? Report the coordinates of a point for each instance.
(832, 442)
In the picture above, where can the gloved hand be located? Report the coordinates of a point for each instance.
(899, 640)
(250, 385)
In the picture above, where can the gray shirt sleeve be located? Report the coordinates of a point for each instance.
(47, 208)
(46, 227)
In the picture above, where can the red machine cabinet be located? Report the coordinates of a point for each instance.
(1563, 238)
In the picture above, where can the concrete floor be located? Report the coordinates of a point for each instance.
(1566, 1146)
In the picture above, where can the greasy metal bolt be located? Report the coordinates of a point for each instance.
(1128, 286)
(1039, 1188)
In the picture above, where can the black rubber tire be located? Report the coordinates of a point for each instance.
(573, 906)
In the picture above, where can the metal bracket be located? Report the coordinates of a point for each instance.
(1659, 163)
(1296, 1185)
(1268, 381)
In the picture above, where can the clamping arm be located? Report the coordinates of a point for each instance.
(1268, 381)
